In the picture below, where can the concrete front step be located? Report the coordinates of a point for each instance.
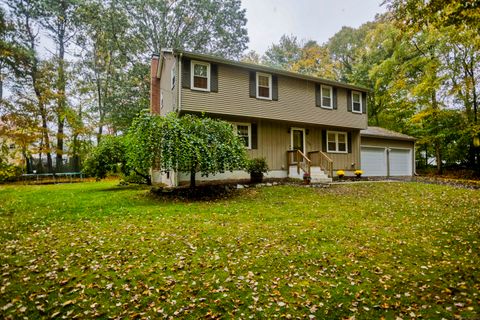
(316, 173)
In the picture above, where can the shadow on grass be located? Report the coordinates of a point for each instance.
(199, 193)
(123, 188)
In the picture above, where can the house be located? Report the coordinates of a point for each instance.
(299, 123)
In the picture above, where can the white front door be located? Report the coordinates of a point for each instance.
(297, 139)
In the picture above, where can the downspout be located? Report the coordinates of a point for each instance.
(415, 160)
(179, 108)
(180, 82)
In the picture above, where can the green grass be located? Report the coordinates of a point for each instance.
(371, 250)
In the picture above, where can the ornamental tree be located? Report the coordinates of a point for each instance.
(199, 144)
(143, 144)
(184, 144)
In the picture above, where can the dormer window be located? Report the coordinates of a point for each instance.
(264, 86)
(200, 76)
(356, 102)
(327, 97)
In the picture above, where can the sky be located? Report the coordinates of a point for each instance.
(315, 20)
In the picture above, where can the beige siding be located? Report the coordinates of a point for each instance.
(274, 141)
(169, 96)
(296, 101)
(349, 161)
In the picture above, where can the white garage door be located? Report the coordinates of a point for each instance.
(374, 162)
(400, 162)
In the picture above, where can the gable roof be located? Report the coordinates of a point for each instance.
(377, 132)
(262, 68)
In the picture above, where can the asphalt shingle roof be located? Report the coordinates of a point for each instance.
(377, 132)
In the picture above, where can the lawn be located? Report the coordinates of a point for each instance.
(369, 250)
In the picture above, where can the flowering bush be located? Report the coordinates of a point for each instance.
(340, 173)
(358, 173)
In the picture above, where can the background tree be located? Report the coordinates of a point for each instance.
(58, 18)
(14, 56)
(208, 26)
(108, 156)
(109, 64)
(307, 57)
(284, 54)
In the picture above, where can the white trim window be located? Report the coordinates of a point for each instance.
(356, 102)
(244, 132)
(326, 93)
(200, 75)
(264, 86)
(337, 142)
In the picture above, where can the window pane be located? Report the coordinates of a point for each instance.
(326, 102)
(331, 146)
(326, 92)
(199, 82)
(356, 106)
(356, 97)
(200, 70)
(242, 132)
(342, 146)
(263, 92)
(263, 81)
(331, 137)
(341, 138)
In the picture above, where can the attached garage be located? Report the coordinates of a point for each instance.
(385, 153)
(374, 161)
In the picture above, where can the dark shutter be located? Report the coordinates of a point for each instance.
(349, 100)
(364, 102)
(324, 140)
(318, 100)
(186, 73)
(274, 88)
(349, 142)
(334, 90)
(254, 136)
(214, 77)
(253, 84)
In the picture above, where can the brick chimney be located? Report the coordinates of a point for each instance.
(154, 86)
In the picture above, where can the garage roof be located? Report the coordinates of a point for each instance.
(377, 132)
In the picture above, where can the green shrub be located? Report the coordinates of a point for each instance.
(257, 166)
(108, 157)
(9, 172)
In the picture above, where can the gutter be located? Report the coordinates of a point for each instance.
(179, 85)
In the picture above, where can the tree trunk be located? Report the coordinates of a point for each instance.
(60, 103)
(147, 178)
(43, 116)
(61, 33)
(438, 152)
(192, 179)
(1, 86)
(101, 112)
(476, 150)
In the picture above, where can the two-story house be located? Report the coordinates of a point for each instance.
(299, 123)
